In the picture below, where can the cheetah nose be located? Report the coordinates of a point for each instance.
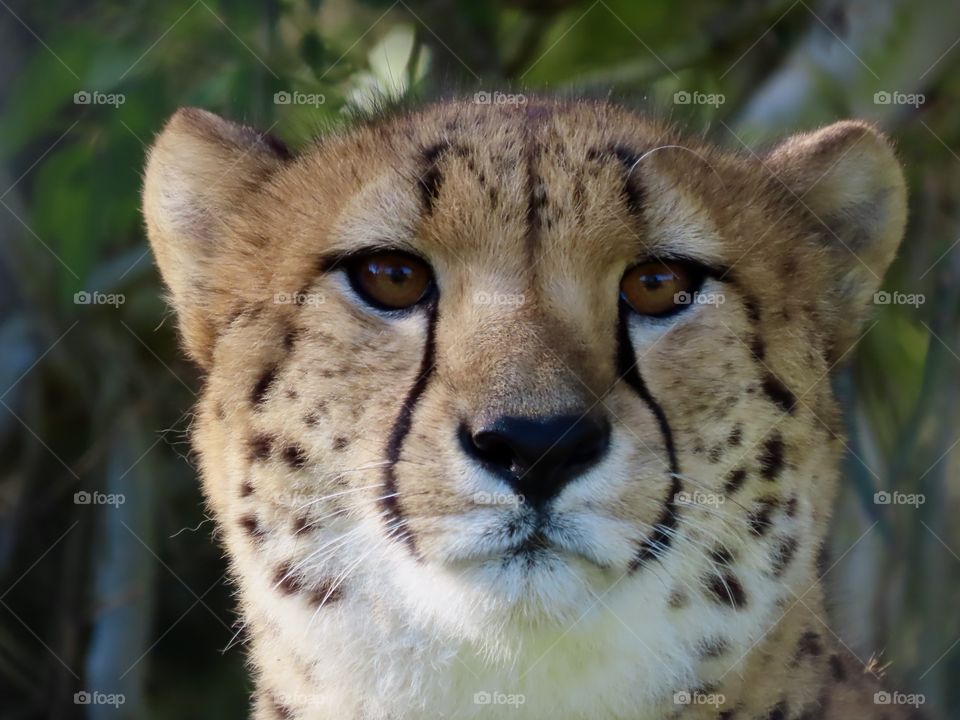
(538, 456)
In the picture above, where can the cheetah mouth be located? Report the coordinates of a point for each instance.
(536, 538)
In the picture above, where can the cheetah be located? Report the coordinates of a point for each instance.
(525, 411)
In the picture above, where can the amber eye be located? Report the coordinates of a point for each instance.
(660, 287)
(390, 280)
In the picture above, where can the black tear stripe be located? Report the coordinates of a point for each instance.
(660, 539)
(401, 428)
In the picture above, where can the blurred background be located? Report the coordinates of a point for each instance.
(110, 580)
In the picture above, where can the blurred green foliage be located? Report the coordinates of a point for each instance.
(131, 598)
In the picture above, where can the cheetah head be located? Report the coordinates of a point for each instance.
(482, 368)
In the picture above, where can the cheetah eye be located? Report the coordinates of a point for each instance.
(389, 279)
(658, 288)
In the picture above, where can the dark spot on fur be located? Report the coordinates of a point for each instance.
(431, 178)
(779, 394)
(678, 599)
(246, 488)
(725, 589)
(783, 556)
(823, 560)
(326, 590)
(792, 504)
(311, 418)
(807, 646)
(722, 555)
(290, 338)
(758, 349)
(772, 458)
(294, 456)
(291, 394)
(282, 711)
(218, 411)
(715, 454)
(341, 443)
(260, 447)
(760, 518)
(299, 524)
(753, 309)
(262, 386)
(736, 436)
(779, 711)
(735, 480)
(251, 525)
(837, 669)
(286, 579)
(712, 647)
(627, 158)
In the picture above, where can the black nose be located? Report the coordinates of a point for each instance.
(538, 456)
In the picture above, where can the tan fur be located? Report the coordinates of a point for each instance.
(301, 399)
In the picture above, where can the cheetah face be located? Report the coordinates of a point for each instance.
(498, 365)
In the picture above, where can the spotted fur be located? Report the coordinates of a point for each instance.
(374, 583)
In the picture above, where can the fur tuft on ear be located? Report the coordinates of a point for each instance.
(851, 184)
(200, 169)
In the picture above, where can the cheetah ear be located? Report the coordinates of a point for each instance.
(202, 172)
(849, 179)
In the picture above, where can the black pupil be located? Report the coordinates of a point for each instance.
(653, 280)
(398, 274)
